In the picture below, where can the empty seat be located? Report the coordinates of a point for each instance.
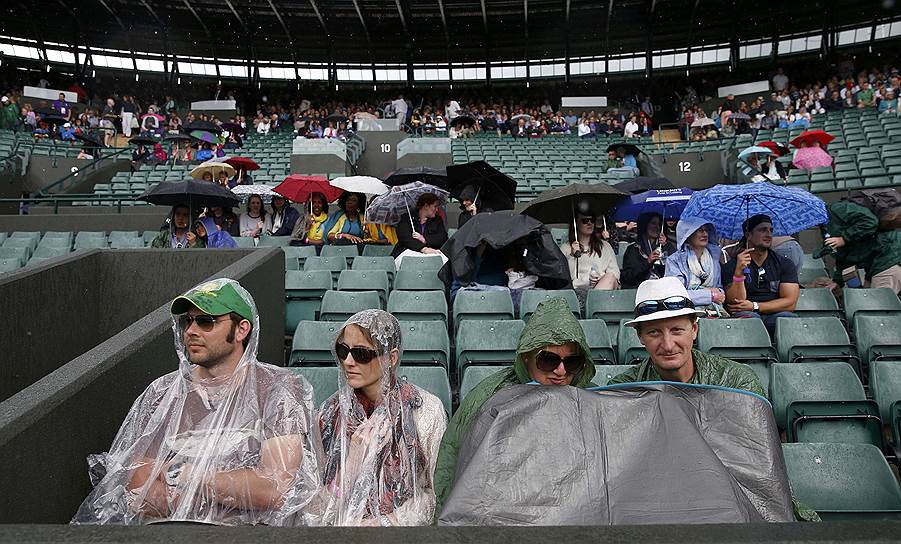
(91, 243)
(340, 305)
(49, 252)
(823, 402)
(365, 280)
(531, 298)
(274, 241)
(418, 280)
(818, 302)
(878, 336)
(629, 348)
(118, 235)
(55, 242)
(421, 263)
(19, 254)
(744, 340)
(598, 338)
(472, 375)
(127, 243)
(885, 386)
(604, 373)
(244, 242)
(843, 481)
(385, 263)
(814, 338)
(297, 256)
(9, 265)
(611, 306)
(418, 306)
(303, 295)
(487, 342)
(313, 343)
(880, 300)
(425, 342)
(333, 264)
(482, 305)
(348, 252)
(324, 380)
(377, 250)
(430, 378)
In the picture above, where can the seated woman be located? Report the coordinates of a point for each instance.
(345, 226)
(697, 263)
(644, 259)
(284, 217)
(380, 435)
(430, 233)
(254, 222)
(211, 235)
(309, 230)
(592, 263)
(382, 235)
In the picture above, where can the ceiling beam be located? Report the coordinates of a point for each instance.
(363, 22)
(284, 26)
(485, 18)
(131, 46)
(525, 19)
(238, 17)
(444, 23)
(319, 16)
(403, 18)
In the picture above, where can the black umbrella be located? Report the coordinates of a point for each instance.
(43, 112)
(631, 149)
(89, 140)
(143, 140)
(432, 176)
(234, 128)
(205, 126)
(193, 193)
(177, 138)
(642, 184)
(494, 189)
(336, 118)
(463, 121)
(514, 236)
(559, 205)
(54, 120)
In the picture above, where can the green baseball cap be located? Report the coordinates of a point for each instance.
(215, 297)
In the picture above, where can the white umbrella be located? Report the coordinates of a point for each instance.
(213, 168)
(360, 184)
(244, 191)
(702, 122)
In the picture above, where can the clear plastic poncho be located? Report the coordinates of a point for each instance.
(379, 456)
(240, 449)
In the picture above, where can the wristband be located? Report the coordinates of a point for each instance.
(740, 279)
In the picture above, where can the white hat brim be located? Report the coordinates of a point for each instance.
(664, 314)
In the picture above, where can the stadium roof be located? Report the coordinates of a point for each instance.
(438, 31)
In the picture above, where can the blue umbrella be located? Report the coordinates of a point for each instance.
(667, 202)
(728, 206)
(754, 149)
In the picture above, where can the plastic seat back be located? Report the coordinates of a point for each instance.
(430, 378)
(531, 298)
(880, 300)
(629, 348)
(313, 342)
(418, 306)
(340, 305)
(418, 280)
(425, 342)
(365, 280)
(604, 373)
(598, 338)
(474, 374)
(878, 336)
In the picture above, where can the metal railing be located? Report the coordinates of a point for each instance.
(63, 184)
(57, 200)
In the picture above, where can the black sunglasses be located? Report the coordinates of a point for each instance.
(648, 307)
(205, 322)
(587, 220)
(548, 362)
(362, 356)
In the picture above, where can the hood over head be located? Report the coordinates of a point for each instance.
(553, 324)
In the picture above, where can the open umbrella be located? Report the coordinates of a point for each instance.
(810, 136)
(234, 128)
(754, 149)
(90, 140)
(242, 163)
(432, 176)
(463, 121)
(702, 122)
(143, 140)
(641, 184)
(524, 236)
(728, 206)
(336, 118)
(192, 193)
(213, 167)
(515, 119)
(177, 138)
(740, 116)
(667, 202)
(204, 126)
(207, 137)
(365, 115)
(777, 148)
(360, 184)
(559, 205)
(388, 208)
(244, 191)
(297, 188)
(808, 158)
(54, 120)
(494, 189)
(630, 149)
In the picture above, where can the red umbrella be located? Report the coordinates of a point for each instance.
(297, 188)
(810, 136)
(243, 163)
(778, 149)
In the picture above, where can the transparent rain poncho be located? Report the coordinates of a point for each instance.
(379, 456)
(239, 449)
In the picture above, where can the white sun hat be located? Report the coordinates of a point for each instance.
(658, 290)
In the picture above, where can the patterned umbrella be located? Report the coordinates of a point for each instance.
(387, 209)
(244, 191)
(728, 206)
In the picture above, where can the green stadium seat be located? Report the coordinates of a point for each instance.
(486, 342)
(819, 302)
(91, 243)
(417, 280)
(814, 339)
(274, 241)
(885, 387)
(303, 295)
(296, 256)
(54, 243)
(878, 337)
(882, 301)
(743, 340)
(492, 305)
(335, 265)
(244, 242)
(629, 348)
(430, 378)
(823, 402)
(313, 343)
(340, 305)
(843, 482)
(604, 373)
(365, 280)
(531, 298)
(421, 264)
(472, 375)
(385, 263)
(9, 264)
(27, 244)
(598, 338)
(324, 380)
(377, 250)
(348, 252)
(425, 342)
(611, 306)
(418, 306)
(19, 254)
(49, 252)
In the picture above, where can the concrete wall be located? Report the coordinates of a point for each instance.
(79, 218)
(379, 161)
(317, 164)
(48, 428)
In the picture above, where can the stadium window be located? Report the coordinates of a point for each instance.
(25, 52)
(109, 61)
(800, 45)
(854, 35)
(756, 50)
(60, 56)
(230, 70)
(149, 65)
(888, 30)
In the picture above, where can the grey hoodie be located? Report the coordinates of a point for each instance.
(677, 263)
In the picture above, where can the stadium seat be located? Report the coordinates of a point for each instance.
(348, 252)
(420, 264)
(843, 482)
(531, 298)
(814, 339)
(611, 306)
(340, 305)
(377, 250)
(432, 379)
(274, 241)
(324, 380)
(365, 280)
(425, 342)
(486, 342)
(27, 245)
(91, 242)
(598, 338)
(818, 302)
(127, 243)
(878, 336)
(376, 263)
(49, 252)
(629, 348)
(149, 235)
(9, 265)
(20, 254)
(823, 402)
(303, 295)
(604, 373)
(333, 264)
(296, 256)
(882, 300)
(743, 340)
(472, 375)
(414, 280)
(418, 306)
(55, 242)
(482, 305)
(313, 343)
(885, 387)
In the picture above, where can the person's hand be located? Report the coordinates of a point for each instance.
(741, 306)
(593, 278)
(192, 238)
(260, 225)
(430, 251)
(742, 261)
(654, 256)
(835, 242)
(352, 238)
(661, 240)
(605, 235)
(417, 236)
(472, 209)
(717, 295)
(575, 248)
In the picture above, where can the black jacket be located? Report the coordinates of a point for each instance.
(435, 235)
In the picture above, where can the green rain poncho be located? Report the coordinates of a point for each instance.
(866, 246)
(552, 324)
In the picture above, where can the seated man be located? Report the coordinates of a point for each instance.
(770, 289)
(667, 325)
(552, 350)
(224, 439)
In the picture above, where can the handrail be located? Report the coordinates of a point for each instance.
(58, 199)
(46, 189)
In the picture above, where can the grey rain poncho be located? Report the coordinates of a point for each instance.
(379, 456)
(234, 450)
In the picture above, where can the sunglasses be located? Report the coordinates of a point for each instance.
(669, 303)
(205, 322)
(362, 356)
(587, 220)
(549, 362)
